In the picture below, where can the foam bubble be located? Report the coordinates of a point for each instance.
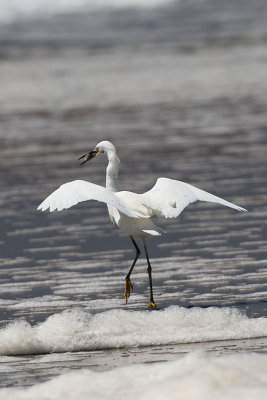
(76, 329)
(194, 376)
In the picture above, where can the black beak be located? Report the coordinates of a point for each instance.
(88, 156)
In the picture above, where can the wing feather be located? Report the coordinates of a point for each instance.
(169, 197)
(74, 192)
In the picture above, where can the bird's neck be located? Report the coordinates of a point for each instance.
(112, 171)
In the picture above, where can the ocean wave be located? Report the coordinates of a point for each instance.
(197, 375)
(79, 330)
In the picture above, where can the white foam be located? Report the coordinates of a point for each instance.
(17, 9)
(76, 329)
(196, 376)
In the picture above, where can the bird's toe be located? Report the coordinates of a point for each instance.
(151, 304)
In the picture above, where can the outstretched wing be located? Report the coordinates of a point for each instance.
(169, 197)
(77, 191)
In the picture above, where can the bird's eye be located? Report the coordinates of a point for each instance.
(102, 151)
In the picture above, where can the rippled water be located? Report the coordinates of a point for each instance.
(186, 101)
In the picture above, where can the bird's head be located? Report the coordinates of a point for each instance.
(101, 148)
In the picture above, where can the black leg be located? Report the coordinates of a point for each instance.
(149, 270)
(128, 284)
(138, 252)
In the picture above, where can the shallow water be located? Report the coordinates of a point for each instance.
(181, 91)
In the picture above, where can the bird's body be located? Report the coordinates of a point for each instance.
(137, 227)
(130, 211)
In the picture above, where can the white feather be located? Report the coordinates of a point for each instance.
(74, 192)
(168, 198)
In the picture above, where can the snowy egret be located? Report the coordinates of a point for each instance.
(131, 212)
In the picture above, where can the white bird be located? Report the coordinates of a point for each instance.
(131, 212)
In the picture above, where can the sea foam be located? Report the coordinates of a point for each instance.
(78, 330)
(196, 376)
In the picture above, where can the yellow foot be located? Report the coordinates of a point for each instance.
(151, 305)
(128, 287)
